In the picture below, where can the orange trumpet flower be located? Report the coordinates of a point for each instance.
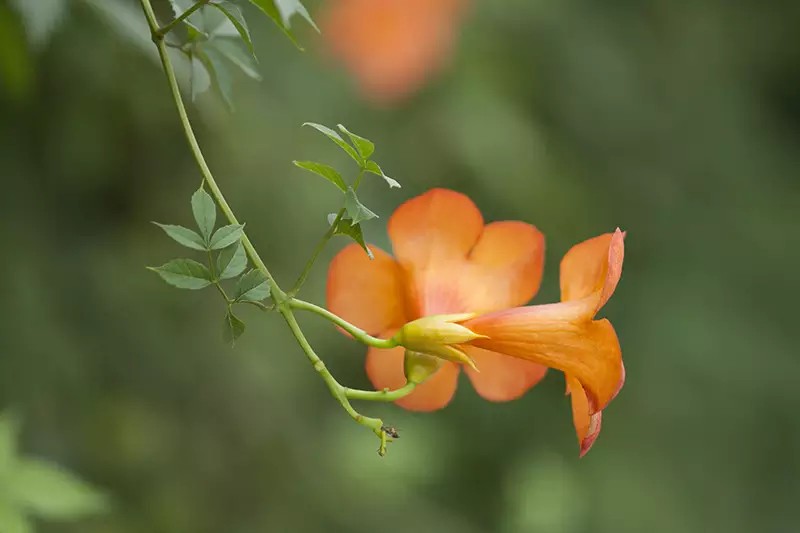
(391, 47)
(480, 276)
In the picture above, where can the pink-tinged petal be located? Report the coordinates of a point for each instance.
(367, 293)
(587, 427)
(501, 378)
(592, 269)
(385, 370)
(505, 267)
(554, 335)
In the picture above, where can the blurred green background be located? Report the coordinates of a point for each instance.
(678, 121)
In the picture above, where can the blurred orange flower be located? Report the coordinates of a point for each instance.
(448, 262)
(391, 46)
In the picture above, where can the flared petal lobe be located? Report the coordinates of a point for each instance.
(591, 270)
(367, 293)
(506, 267)
(453, 263)
(501, 378)
(587, 427)
(556, 336)
(385, 369)
(435, 228)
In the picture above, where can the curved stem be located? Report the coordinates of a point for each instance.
(162, 31)
(342, 394)
(381, 395)
(337, 390)
(166, 62)
(359, 334)
(321, 244)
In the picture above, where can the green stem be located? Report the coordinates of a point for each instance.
(359, 334)
(358, 180)
(162, 31)
(321, 244)
(277, 294)
(315, 254)
(381, 395)
(339, 392)
(260, 305)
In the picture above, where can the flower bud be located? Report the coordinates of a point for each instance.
(436, 335)
(420, 366)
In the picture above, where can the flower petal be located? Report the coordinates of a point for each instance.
(587, 427)
(501, 378)
(367, 293)
(391, 46)
(556, 336)
(506, 267)
(431, 235)
(438, 226)
(385, 370)
(455, 264)
(593, 268)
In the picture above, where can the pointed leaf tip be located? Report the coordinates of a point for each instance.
(184, 274)
(335, 137)
(357, 211)
(226, 235)
(373, 168)
(233, 329)
(364, 146)
(346, 227)
(205, 212)
(326, 171)
(184, 236)
(235, 16)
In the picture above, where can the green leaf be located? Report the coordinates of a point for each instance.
(252, 287)
(184, 274)
(281, 12)
(231, 261)
(41, 18)
(226, 235)
(373, 168)
(205, 212)
(9, 434)
(233, 328)
(326, 171)
(355, 209)
(335, 137)
(51, 492)
(13, 520)
(216, 64)
(201, 79)
(346, 227)
(234, 15)
(232, 51)
(184, 236)
(364, 146)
